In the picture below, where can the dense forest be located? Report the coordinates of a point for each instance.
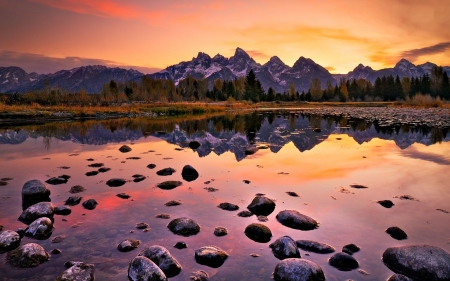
(248, 88)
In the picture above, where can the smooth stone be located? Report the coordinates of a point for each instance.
(90, 204)
(251, 150)
(28, 255)
(56, 251)
(163, 216)
(398, 277)
(141, 225)
(58, 180)
(211, 256)
(167, 185)
(41, 228)
(199, 275)
(78, 271)
(189, 173)
(38, 210)
(295, 269)
(139, 178)
(143, 269)
(125, 149)
(184, 227)
(77, 189)
(92, 173)
(9, 240)
(396, 233)
(166, 172)
(104, 170)
(128, 245)
(220, 231)
(262, 205)
(228, 206)
(386, 203)
(296, 220)
(258, 232)
(73, 200)
(172, 203)
(245, 214)
(180, 245)
(314, 246)
(151, 166)
(292, 193)
(163, 259)
(35, 191)
(350, 249)
(115, 182)
(421, 262)
(62, 210)
(343, 261)
(123, 195)
(96, 165)
(194, 144)
(284, 248)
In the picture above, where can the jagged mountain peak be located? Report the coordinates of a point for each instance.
(404, 63)
(275, 60)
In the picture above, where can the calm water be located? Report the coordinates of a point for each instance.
(390, 161)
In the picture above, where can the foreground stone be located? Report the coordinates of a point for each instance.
(77, 271)
(167, 185)
(228, 206)
(128, 245)
(350, 249)
(163, 259)
(199, 275)
(123, 195)
(386, 203)
(220, 231)
(184, 227)
(77, 189)
(298, 270)
(166, 172)
(125, 149)
(90, 204)
(35, 191)
(9, 240)
(41, 229)
(398, 277)
(314, 246)
(180, 245)
(143, 269)
(58, 180)
(343, 261)
(211, 256)
(296, 220)
(262, 205)
(38, 210)
(115, 182)
(62, 210)
(258, 232)
(73, 200)
(285, 247)
(396, 233)
(245, 214)
(28, 255)
(189, 173)
(421, 262)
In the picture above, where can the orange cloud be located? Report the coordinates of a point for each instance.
(256, 53)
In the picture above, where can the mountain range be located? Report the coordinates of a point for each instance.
(274, 73)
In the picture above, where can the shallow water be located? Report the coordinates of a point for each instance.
(390, 161)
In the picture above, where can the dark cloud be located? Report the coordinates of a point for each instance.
(430, 50)
(431, 157)
(43, 64)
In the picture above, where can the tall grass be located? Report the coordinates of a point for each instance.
(421, 100)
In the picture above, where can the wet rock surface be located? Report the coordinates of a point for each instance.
(220, 231)
(128, 245)
(116, 182)
(350, 249)
(91, 173)
(151, 166)
(138, 178)
(142, 268)
(172, 203)
(199, 275)
(189, 173)
(9, 240)
(38, 210)
(228, 206)
(386, 203)
(295, 269)
(245, 214)
(296, 220)
(292, 193)
(421, 262)
(262, 205)
(125, 149)
(58, 180)
(180, 245)
(343, 261)
(184, 227)
(90, 204)
(96, 165)
(396, 233)
(258, 232)
(77, 189)
(123, 195)
(285, 247)
(398, 277)
(169, 184)
(41, 229)
(141, 225)
(163, 216)
(211, 256)
(313, 246)
(28, 255)
(104, 170)
(77, 271)
(35, 191)
(163, 259)
(166, 172)
(73, 200)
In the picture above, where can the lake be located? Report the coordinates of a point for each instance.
(318, 157)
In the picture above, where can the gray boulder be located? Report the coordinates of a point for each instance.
(143, 269)
(296, 220)
(298, 270)
(262, 205)
(41, 228)
(163, 259)
(34, 191)
(421, 262)
(314, 246)
(38, 210)
(184, 226)
(258, 232)
(77, 271)
(285, 247)
(9, 240)
(28, 255)
(211, 256)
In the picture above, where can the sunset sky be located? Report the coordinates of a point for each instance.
(49, 35)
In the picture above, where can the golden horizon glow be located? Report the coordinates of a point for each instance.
(149, 35)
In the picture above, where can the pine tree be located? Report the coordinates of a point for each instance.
(315, 88)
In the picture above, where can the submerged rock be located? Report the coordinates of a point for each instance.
(142, 268)
(220, 231)
(421, 262)
(211, 256)
(115, 182)
(34, 191)
(123, 195)
(41, 228)
(258, 232)
(128, 245)
(396, 233)
(228, 206)
(194, 144)
(245, 214)
(296, 220)
(261, 205)
(163, 259)
(314, 246)
(58, 180)
(96, 165)
(343, 261)
(151, 166)
(350, 249)
(285, 247)
(28, 255)
(104, 170)
(295, 269)
(166, 172)
(139, 178)
(172, 203)
(189, 173)
(73, 200)
(141, 225)
(77, 189)
(38, 210)
(386, 203)
(125, 149)
(91, 173)
(169, 184)
(9, 240)
(184, 227)
(90, 204)
(180, 245)
(77, 271)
